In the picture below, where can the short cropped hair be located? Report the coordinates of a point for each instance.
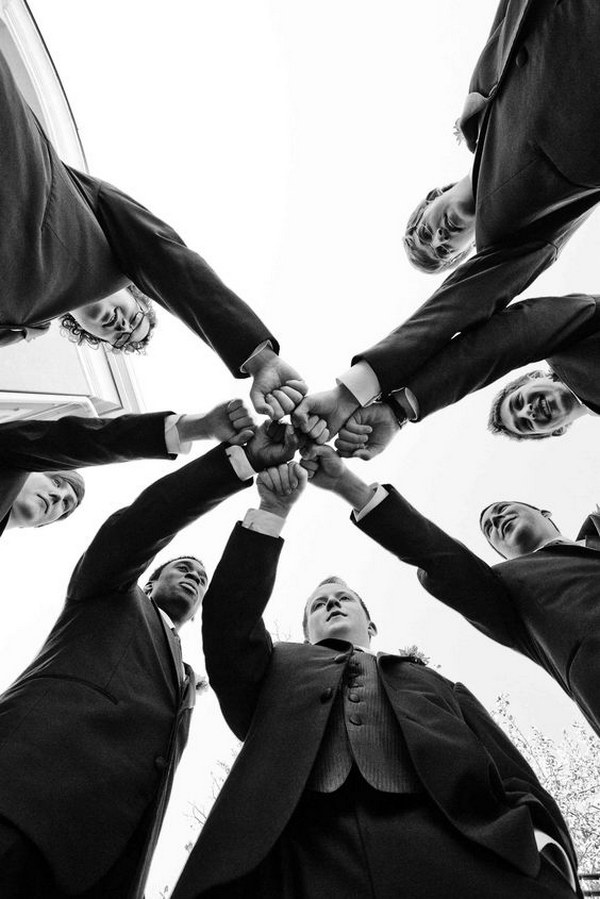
(417, 256)
(71, 328)
(76, 482)
(157, 571)
(521, 503)
(334, 579)
(495, 423)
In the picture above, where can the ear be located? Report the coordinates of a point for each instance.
(560, 431)
(546, 513)
(147, 588)
(433, 194)
(372, 629)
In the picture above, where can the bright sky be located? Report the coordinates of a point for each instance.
(287, 142)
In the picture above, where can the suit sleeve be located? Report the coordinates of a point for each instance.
(128, 541)
(158, 262)
(237, 646)
(519, 781)
(447, 569)
(74, 441)
(470, 296)
(526, 332)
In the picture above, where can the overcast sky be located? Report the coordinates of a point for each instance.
(287, 142)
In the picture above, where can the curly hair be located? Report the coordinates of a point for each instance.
(495, 423)
(334, 579)
(72, 330)
(417, 255)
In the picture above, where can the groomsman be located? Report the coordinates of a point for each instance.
(360, 775)
(565, 331)
(38, 485)
(92, 731)
(541, 601)
(69, 242)
(535, 180)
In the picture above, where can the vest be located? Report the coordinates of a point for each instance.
(362, 730)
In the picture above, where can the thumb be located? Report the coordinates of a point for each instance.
(302, 475)
(257, 398)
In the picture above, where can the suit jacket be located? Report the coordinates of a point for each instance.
(565, 331)
(278, 700)
(67, 239)
(543, 604)
(73, 442)
(92, 730)
(536, 173)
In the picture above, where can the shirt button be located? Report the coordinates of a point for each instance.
(354, 697)
(355, 719)
(160, 763)
(521, 58)
(326, 695)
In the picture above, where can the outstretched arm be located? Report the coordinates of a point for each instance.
(74, 442)
(447, 569)
(470, 296)
(526, 332)
(126, 543)
(77, 442)
(237, 646)
(158, 262)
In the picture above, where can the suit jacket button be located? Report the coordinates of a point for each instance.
(326, 694)
(160, 763)
(521, 58)
(354, 697)
(355, 719)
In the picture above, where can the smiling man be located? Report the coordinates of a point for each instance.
(92, 731)
(535, 180)
(364, 775)
(536, 405)
(71, 244)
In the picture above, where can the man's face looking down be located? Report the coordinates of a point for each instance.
(118, 320)
(442, 231)
(44, 498)
(514, 529)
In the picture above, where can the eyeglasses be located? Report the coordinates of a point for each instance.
(124, 337)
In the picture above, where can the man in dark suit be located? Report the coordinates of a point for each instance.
(535, 179)
(91, 732)
(69, 241)
(541, 601)
(37, 482)
(565, 331)
(360, 776)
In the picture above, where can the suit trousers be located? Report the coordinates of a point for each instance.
(25, 874)
(369, 845)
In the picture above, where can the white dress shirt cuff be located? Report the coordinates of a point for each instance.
(362, 382)
(255, 352)
(264, 522)
(379, 494)
(239, 462)
(172, 441)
